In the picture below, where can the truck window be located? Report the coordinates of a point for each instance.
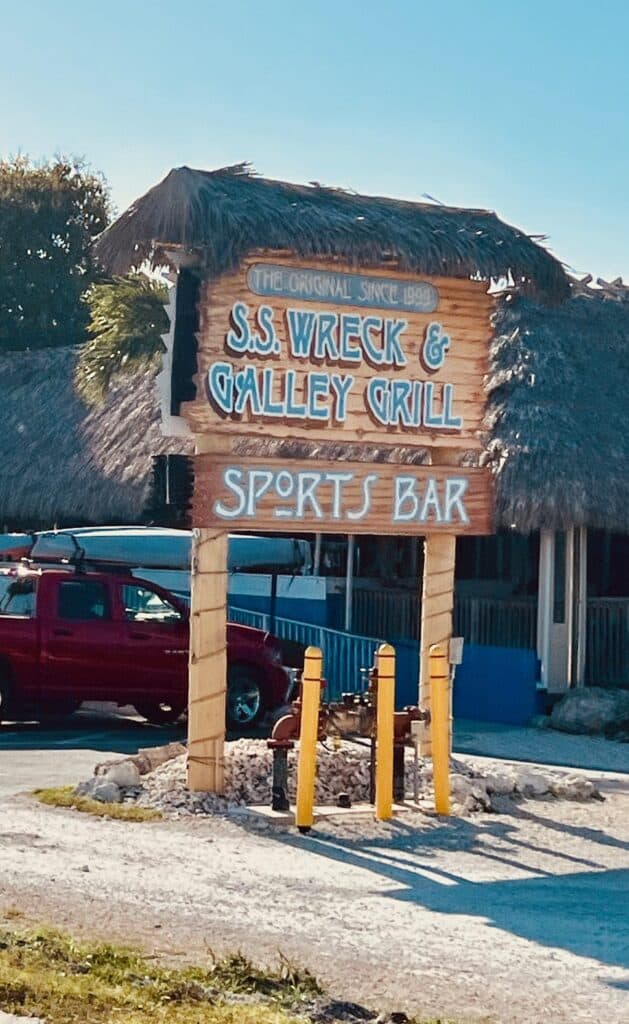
(19, 599)
(142, 605)
(82, 600)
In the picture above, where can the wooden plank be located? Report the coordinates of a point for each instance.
(286, 495)
(210, 667)
(208, 629)
(436, 609)
(463, 311)
(210, 591)
(207, 673)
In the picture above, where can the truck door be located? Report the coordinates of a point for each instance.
(155, 642)
(79, 641)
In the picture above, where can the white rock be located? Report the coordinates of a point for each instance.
(531, 784)
(460, 787)
(501, 785)
(574, 787)
(124, 775)
(590, 710)
(107, 793)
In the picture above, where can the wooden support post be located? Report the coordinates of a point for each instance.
(207, 678)
(436, 616)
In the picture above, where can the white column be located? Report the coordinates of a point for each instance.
(349, 581)
(316, 569)
(570, 602)
(581, 615)
(545, 600)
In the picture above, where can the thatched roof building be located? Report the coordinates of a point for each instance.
(221, 215)
(558, 412)
(557, 423)
(61, 460)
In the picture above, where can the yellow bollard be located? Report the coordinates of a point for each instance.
(440, 726)
(307, 762)
(385, 668)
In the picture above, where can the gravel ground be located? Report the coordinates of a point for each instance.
(518, 917)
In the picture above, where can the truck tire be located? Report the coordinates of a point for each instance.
(158, 712)
(245, 703)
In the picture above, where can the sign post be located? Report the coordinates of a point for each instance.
(322, 395)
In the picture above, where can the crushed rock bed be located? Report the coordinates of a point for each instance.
(345, 769)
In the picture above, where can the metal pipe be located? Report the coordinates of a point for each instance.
(279, 785)
(399, 785)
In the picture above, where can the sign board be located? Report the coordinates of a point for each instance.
(323, 352)
(277, 495)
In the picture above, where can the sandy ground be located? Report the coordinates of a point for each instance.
(519, 917)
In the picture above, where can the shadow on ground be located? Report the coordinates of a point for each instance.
(114, 731)
(577, 905)
(87, 731)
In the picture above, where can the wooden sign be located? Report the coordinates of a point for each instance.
(279, 495)
(321, 351)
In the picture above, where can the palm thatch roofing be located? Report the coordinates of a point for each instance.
(222, 215)
(557, 422)
(558, 410)
(61, 460)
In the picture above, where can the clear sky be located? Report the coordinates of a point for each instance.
(520, 108)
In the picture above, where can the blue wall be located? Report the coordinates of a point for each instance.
(494, 684)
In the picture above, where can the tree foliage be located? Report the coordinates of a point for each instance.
(49, 216)
(127, 319)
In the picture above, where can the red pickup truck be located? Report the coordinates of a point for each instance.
(68, 637)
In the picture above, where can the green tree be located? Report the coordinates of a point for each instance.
(49, 215)
(127, 319)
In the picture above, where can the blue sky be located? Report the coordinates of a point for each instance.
(522, 109)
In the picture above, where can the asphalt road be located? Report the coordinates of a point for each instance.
(39, 754)
(34, 754)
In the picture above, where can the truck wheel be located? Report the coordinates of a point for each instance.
(159, 712)
(244, 697)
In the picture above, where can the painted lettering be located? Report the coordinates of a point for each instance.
(341, 387)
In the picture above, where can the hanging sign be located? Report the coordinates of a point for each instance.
(277, 495)
(320, 351)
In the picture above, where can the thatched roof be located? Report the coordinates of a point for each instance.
(60, 459)
(559, 411)
(224, 214)
(558, 426)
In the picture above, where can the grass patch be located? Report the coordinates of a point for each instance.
(64, 796)
(46, 974)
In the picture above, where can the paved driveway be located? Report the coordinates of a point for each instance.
(34, 755)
